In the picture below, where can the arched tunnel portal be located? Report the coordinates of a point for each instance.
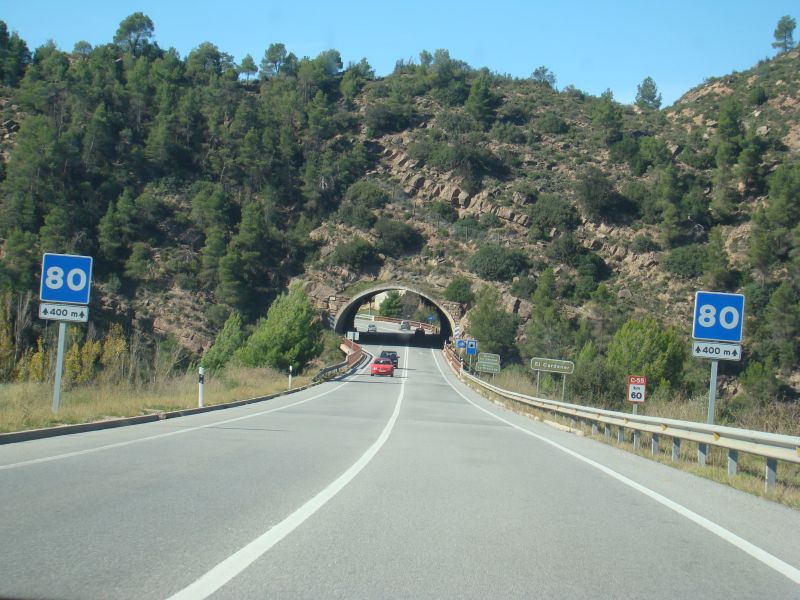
(345, 318)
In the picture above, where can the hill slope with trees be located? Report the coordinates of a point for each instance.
(203, 187)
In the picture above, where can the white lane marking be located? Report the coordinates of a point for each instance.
(45, 459)
(759, 554)
(237, 562)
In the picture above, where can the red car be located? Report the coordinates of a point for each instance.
(382, 366)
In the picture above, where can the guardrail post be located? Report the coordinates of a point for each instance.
(772, 472)
(702, 454)
(676, 448)
(595, 428)
(654, 444)
(620, 434)
(635, 439)
(606, 430)
(733, 461)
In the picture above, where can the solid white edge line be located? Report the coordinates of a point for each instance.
(46, 459)
(759, 554)
(237, 562)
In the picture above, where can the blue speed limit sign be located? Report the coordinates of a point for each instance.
(66, 278)
(718, 317)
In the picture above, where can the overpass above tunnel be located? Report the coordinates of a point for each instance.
(342, 317)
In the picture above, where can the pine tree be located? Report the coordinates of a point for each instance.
(248, 66)
(647, 95)
(289, 335)
(229, 340)
(784, 40)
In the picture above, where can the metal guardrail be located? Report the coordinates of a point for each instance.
(355, 354)
(772, 446)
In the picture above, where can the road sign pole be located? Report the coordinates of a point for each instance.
(712, 392)
(563, 386)
(62, 334)
(537, 383)
(702, 449)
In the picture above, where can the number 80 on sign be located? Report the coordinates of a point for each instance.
(66, 278)
(718, 317)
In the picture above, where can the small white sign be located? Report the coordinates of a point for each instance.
(716, 351)
(63, 312)
(637, 389)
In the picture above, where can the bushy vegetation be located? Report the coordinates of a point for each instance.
(496, 263)
(459, 290)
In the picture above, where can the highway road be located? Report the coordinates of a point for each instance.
(367, 487)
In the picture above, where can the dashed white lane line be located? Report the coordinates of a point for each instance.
(759, 554)
(236, 563)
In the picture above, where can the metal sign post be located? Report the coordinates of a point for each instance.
(62, 334)
(552, 365)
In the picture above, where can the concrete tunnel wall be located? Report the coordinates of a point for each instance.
(345, 318)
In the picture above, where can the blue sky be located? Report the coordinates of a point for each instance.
(592, 45)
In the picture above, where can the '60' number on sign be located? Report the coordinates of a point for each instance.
(728, 316)
(54, 279)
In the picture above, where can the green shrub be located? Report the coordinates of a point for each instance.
(391, 115)
(496, 263)
(551, 212)
(550, 122)
(357, 254)
(443, 210)
(523, 287)
(396, 239)
(356, 215)
(644, 243)
(508, 133)
(490, 221)
(686, 261)
(367, 193)
(459, 290)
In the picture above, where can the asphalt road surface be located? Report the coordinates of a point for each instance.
(368, 487)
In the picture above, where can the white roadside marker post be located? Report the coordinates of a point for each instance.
(200, 385)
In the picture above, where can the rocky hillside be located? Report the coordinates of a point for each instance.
(199, 194)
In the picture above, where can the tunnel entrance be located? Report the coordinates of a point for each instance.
(345, 319)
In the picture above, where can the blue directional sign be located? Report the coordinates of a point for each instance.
(461, 343)
(430, 318)
(718, 317)
(472, 347)
(66, 278)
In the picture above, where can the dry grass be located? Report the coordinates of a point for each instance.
(751, 472)
(28, 405)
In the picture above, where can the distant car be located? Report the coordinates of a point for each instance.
(382, 366)
(372, 328)
(391, 355)
(405, 326)
(419, 331)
